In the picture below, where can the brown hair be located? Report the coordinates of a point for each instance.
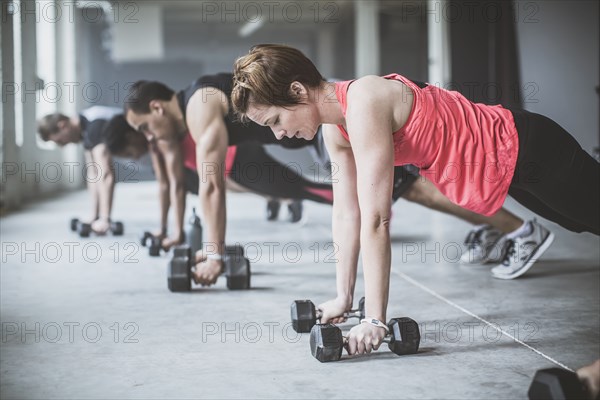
(48, 125)
(265, 74)
(141, 93)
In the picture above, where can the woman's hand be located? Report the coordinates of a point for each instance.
(332, 311)
(199, 257)
(364, 338)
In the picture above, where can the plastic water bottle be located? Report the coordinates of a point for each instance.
(194, 233)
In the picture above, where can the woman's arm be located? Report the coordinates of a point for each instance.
(369, 120)
(345, 221)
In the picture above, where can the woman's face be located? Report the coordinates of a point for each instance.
(300, 121)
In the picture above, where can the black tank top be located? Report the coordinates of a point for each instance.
(237, 131)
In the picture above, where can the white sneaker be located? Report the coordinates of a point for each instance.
(495, 252)
(522, 252)
(481, 243)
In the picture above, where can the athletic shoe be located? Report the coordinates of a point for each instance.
(522, 252)
(273, 210)
(495, 252)
(481, 242)
(295, 211)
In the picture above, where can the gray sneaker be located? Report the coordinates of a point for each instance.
(495, 252)
(522, 252)
(481, 243)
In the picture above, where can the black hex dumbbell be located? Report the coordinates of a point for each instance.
(117, 228)
(155, 243)
(327, 342)
(236, 269)
(305, 315)
(556, 384)
(84, 229)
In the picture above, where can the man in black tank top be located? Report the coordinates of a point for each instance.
(236, 131)
(204, 110)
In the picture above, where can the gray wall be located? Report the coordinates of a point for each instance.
(558, 47)
(193, 48)
(559, 53)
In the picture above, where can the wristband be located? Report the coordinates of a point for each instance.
(375, 322)
(214, 257)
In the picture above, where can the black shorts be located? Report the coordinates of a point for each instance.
(554, 177)
(192, 180)
(404, 177)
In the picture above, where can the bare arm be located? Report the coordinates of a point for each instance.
(173, 161)
(91, 184)
(207, 127)
(106, 184)
(160, 171)
(369, 120)
(346, 216)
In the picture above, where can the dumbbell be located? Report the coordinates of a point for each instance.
(117, 228)
(305, 314)
(327, 342)
(236, 269)
(556, 384)
(84, 229)
(155, 243)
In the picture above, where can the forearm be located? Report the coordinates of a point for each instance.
(93, 191)
(376, 257)
(178, 201)
(212, 198)
(91, 184)
(165, 204)
(345, 231)
(106, 189)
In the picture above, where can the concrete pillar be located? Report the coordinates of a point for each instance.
(65, 62)
(367, 37)
(66, 74)
(10, 184)
(438, 37)
(32, 96)
(46, 56)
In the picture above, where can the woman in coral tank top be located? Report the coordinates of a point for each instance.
(475, 154)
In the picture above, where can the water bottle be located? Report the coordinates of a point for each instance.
(194, 233)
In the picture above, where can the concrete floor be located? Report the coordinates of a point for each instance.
(94, 318)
